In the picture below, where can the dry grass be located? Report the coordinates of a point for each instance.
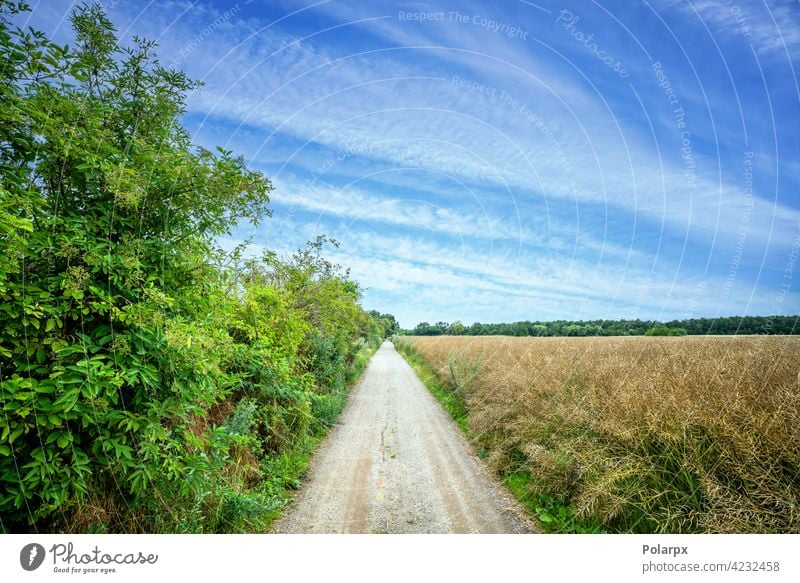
(689, 434)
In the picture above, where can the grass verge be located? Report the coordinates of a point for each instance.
(290, 468)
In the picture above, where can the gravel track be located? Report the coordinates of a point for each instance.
(396, 463)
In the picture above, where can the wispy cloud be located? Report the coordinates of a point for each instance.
(521, 285)
(772, 27)
(478, 176)
(540, 147)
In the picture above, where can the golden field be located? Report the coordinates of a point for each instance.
(634, 434)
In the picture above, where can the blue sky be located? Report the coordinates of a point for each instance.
(513, 160)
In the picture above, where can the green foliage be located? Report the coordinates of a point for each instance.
(552, 514)
(144, 387)
(695, 326)
(665, 331)
(386, 321)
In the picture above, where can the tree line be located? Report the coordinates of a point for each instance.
(149, 381)
(693, 326)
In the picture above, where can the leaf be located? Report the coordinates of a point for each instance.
(68, 400)
(544, 515)
(79, 458)
(5, 450)
(123, 450)
(15, 434)
(47, 387)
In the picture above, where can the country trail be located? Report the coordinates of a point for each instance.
(396, 463)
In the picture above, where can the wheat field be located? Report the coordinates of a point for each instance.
(635, 434)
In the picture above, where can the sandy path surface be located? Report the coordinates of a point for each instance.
(396, 463)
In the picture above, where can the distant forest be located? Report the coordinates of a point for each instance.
(695, 326)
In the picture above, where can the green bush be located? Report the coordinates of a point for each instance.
(144, 387)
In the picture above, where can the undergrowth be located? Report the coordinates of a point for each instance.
(150, 381)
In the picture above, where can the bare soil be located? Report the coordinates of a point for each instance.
(396, 463)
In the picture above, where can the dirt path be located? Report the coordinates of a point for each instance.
(396, 463)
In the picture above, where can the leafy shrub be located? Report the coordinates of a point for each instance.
(144, 387)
